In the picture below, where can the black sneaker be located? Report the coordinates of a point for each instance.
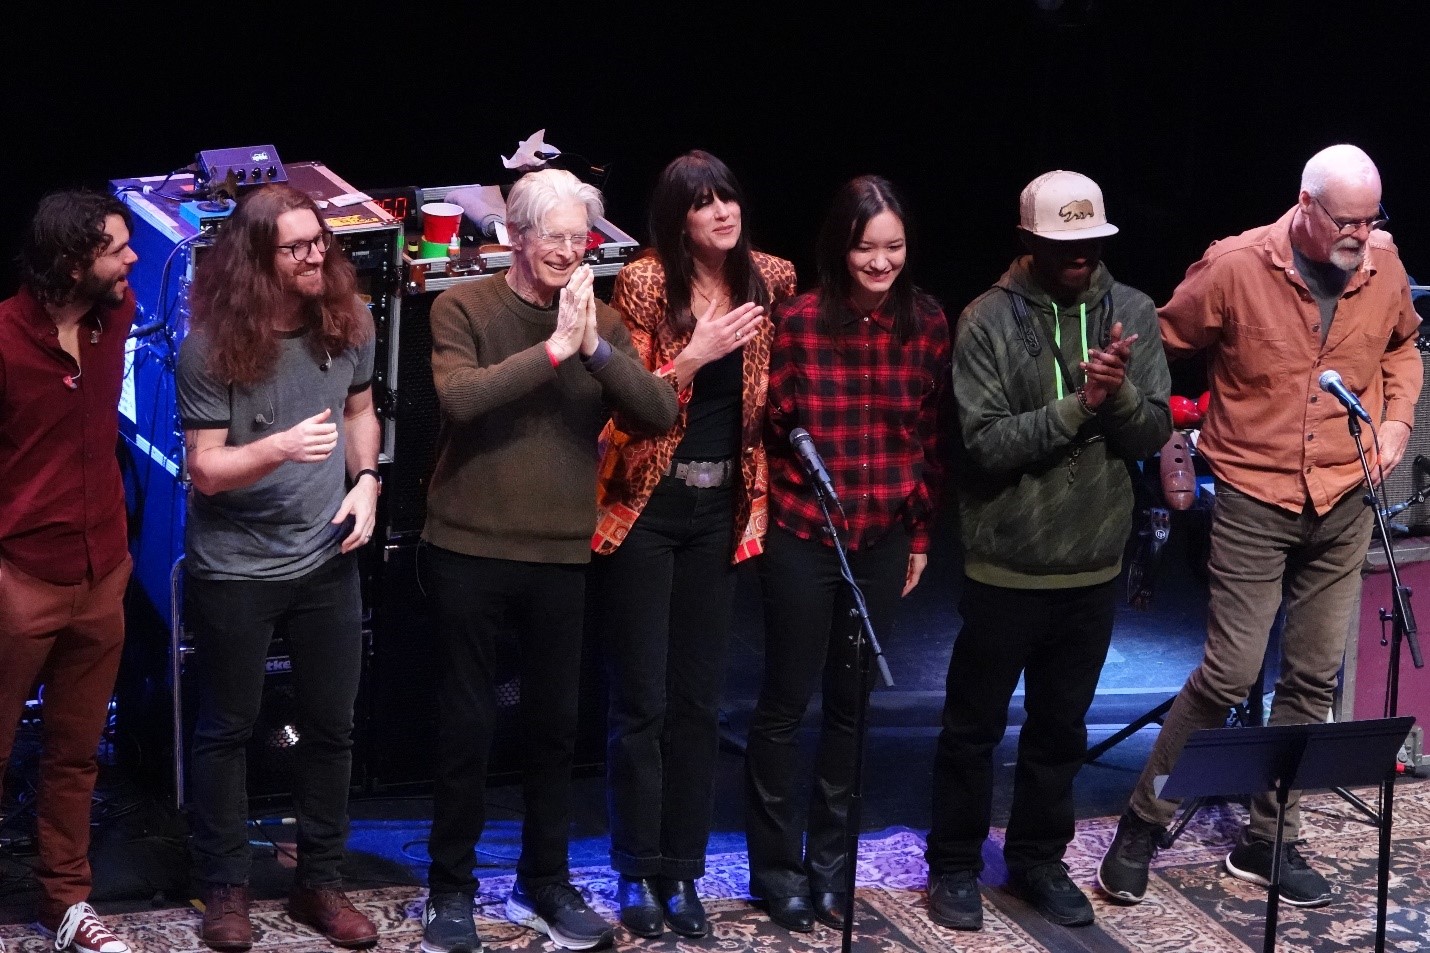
(1049, 888)
(1250, 860)
(1122, 875)
(447, 925)
(954, 901)
(559, 911)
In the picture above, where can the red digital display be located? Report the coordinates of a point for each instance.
(395, 205)
(401, 203)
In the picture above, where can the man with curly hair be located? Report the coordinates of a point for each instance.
(64, 557)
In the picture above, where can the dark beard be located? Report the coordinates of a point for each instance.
(91, 291)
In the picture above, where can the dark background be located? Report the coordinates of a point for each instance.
(1196, 118)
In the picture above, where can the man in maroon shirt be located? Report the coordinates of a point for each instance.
(64, 559)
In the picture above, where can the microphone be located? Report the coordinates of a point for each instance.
(1332, 384)
(803, 444)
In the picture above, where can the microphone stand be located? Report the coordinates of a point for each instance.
(864, 637)
(1403, 628)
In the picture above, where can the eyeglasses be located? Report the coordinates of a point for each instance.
(554, 240)
(1350, 226)
(301, 250)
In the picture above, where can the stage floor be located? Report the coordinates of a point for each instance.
(139, 861)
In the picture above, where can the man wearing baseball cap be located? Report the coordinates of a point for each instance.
(1321, 289)
(1060, 383)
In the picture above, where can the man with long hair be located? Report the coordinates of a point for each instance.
(275, 395)
(64, 557)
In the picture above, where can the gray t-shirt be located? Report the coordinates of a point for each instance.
(1325, 281)
(280, 527)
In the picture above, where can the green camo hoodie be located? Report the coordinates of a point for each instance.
(1029, 520)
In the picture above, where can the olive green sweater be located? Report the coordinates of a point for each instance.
(1028, 519)
(516, 459)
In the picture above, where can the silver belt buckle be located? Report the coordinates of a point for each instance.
(703, 475)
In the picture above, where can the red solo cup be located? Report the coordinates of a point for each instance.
(440, 221)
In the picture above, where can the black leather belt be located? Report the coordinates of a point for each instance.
(704, 474)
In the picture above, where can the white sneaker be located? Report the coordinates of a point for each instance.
(82, 931)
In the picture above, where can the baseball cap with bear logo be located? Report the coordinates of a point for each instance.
(1064, 206)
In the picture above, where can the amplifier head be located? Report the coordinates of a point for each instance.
(247, 165)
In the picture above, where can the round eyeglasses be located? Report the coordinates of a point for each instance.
(302, 249)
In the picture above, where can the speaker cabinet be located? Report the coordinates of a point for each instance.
(1413, 473)
(273, 750)
(401, 735)
(1363, 690)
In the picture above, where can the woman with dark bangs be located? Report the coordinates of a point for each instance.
(862, 363)
(676, 513)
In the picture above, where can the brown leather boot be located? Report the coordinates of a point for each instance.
(226, 925)
(329, 911)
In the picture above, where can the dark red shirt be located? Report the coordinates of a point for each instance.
(62, 512)
(871, 405)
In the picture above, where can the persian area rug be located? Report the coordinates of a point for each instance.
(1191, 905)
(889, 916)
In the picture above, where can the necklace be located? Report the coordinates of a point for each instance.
(721, 299)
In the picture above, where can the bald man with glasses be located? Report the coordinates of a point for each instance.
(1321, 289)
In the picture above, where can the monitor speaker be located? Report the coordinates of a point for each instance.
(401, 736)
(1412, 476)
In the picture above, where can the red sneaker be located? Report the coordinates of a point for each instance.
(81, 930)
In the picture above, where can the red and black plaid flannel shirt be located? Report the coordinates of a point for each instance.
(871, 405)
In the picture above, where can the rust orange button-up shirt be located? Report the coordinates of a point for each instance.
(1271, 431)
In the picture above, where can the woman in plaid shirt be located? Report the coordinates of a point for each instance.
(861, 363)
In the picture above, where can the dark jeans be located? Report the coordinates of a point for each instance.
(809, 636)
(1057, 640)
(232, 622)
(665, 599)
(478, 601)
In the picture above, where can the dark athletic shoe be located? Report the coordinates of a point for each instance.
(1122, 875)
(1250, 860)
(954, 900)
(1049, 888)
(447, 925)
(559, 911)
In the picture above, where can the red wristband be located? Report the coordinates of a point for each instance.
(549, 356)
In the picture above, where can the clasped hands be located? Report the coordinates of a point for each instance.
(1106, 368)
(575, 318)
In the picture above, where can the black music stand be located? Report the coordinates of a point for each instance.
(1283, 758)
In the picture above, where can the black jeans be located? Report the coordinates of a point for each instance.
(232, 623)
(665, 597)
(1057, 640)
(476, 602)
(809, 636)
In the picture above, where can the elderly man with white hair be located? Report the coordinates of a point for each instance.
(528, 368)
(1321, 288)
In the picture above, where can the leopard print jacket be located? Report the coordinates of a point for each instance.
(631, 466)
